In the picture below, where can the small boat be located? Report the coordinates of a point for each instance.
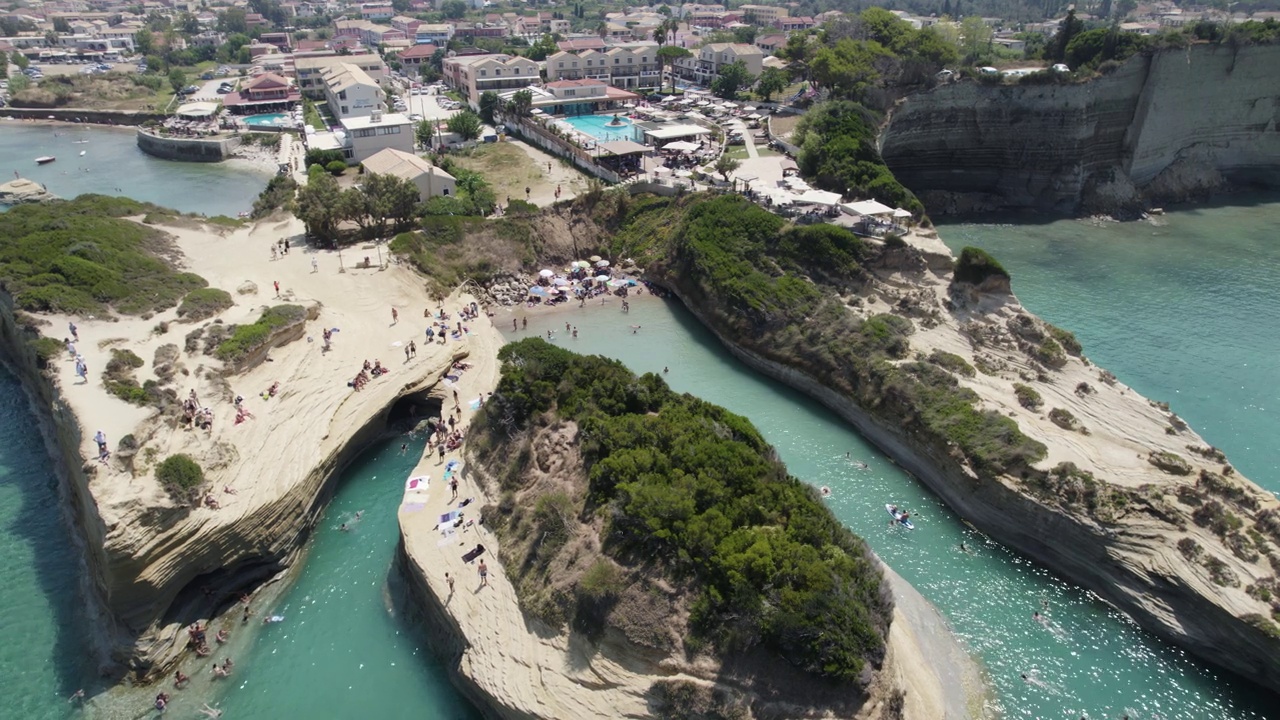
(45, 160)
(79, 142)
(82, 153)
(900, 517)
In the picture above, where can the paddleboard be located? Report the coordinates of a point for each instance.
(897, 516)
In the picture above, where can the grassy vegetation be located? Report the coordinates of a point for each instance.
(180, 474)
(976, 265)
(694, 492)
(507, 168)
(838, 152)
(769, 286)
(79, 257)
(106, 91)
(311, 115)
(1075, 488)
(1027, 396)
(204, 303)
(119, 380)
(247, 338)
(952, 362)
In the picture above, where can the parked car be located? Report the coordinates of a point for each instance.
(1059, 67)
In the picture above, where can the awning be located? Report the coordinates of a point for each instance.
(900, 213)
(868, 207)
(197, 109)
(621, 147)
(819, 197)
(671, 132)
(681, 146)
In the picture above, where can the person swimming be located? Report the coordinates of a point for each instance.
(210, 712)
(826, 491)
(344, 527)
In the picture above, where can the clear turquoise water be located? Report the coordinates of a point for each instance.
(597, 126)
(113, 165)
(268, 119)
(343, 653)
(1186, 311)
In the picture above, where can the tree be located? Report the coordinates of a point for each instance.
(668, 55)
(732, 78)
(521, 104)
(489, 104)
(425, 133)
(353, 205)
(233, 21)
(20, 60)
(61, 25)
(453, 9)
(466, 124)
(318, 204)
(772, 81)
(388, 197)
(849, 67)
(4, 66)
(725, 165)
(546, 45)
(976, 37)
(177, 79)
(1071, 26)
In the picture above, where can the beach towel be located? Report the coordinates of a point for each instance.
(416, 482)
(474, 553)
(449, 517)
(452, 465)
(451, 377)
(466, 502)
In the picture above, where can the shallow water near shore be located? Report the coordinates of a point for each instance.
(338, 616)
(113, 165)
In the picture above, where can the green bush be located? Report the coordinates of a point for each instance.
(1051, 353)
(337, 167)
(976, 265)
(204, 303)
(316, 156)
(1063, 418)
(47, 349)
(839, 152)
(278, 194)
(1066, 339)
(952, 362)
(77, 257)
(694, 489)
(248, 338)
(180, 471)
(1027, 396)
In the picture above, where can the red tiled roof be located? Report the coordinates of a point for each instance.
(418, 51)
(614, 93)
(267, 81)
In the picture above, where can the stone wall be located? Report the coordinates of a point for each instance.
(1168, 126)
(96, 117)
(187, 149)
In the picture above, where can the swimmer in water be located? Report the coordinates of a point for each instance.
(210, 712)
(964, 548)
(359, 513)
(77, 695)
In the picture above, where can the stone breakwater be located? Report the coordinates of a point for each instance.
(1168, 126)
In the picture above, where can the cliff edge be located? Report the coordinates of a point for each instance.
(1001, 415)
(1165, 126)
(623, 648)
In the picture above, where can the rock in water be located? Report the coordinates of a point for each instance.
(22, 190)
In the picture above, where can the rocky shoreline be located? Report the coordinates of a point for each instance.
(1138, 562)
(21, 191)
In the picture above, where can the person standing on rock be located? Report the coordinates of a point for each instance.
(315, 265)
(484, 574)
(75, 333)
(101, 438)
(453, 487)
(277, 284)
(449, 579)
(441, 451)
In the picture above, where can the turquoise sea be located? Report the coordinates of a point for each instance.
(1165, 307)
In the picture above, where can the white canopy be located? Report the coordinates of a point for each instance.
(602, 263)
(900, 213)
(868, 207)
(819, 197)
(661, 170)
(671, 132)
(681, 146)
(198, 109)
(546, 273)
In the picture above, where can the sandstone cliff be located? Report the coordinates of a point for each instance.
(158, 560)
(515, 663)
(1127, 501)
(1164, 127)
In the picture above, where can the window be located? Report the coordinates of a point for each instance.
(344, 109)
(445, 192)
(484, 73)
(342, 95)
(497, 71)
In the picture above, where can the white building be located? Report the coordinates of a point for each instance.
(310, 70)
(376, 11)
(430, 180)
(351, 92)
(369, 134)
(433, 34)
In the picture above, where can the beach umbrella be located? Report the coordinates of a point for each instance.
(546, 273)
(539, 291)
(602, 263)
(595, 258)
(602, 278)
(559, 282)
(618, 283)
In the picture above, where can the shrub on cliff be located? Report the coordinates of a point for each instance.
(694, 491)
(1027, 396)
(179, 473)
(247, 338)
(77, 257)
(952, 362)
(204, 303)
(976, 265)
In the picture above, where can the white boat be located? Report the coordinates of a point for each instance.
(82, 153)
(45, 160)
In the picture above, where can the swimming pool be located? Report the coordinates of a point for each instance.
(269, 120)
(597, 126)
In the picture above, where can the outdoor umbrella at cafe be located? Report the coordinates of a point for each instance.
(559, 282)
(539, 291)
(595, 258)
(602, 278)
(546, 273)
(602, 263)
